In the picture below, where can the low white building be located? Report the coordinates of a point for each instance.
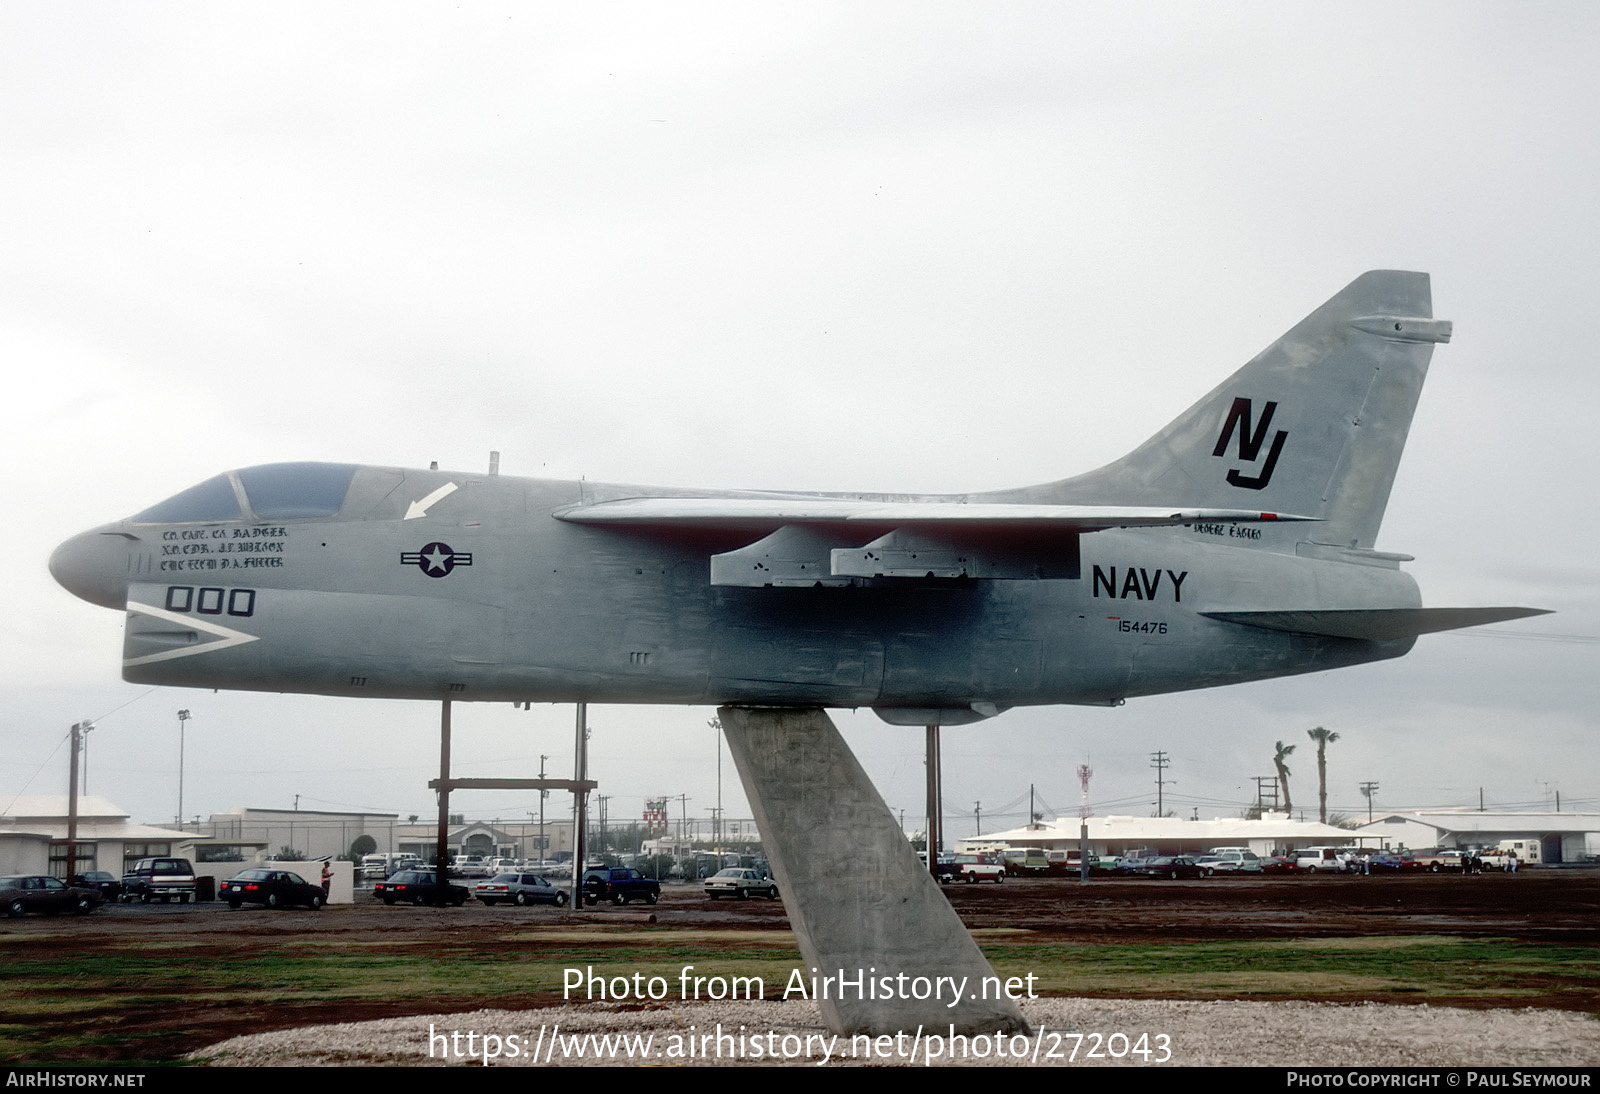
(1114, 836)
(1559, 837)
(33, 837)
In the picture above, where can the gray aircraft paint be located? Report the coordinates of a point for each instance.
(1235, 545)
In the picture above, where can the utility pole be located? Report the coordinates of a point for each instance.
(1263, 782)
(1084, 772)
(977, 813)
(83, 765)
(1369, 789)
(716, 827)
(543, 794)
(683, 818)
(1159, 761)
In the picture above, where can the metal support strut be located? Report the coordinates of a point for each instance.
(863, 909)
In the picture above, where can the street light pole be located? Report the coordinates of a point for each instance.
(79, 731)
(183, 716)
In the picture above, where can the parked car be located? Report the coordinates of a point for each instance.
(274, 888)
(471, 867)
(944, 864)
(1069, 863)
(1232, 862)
(418, 887)
(109, 888)
(1325, 860)
(376, 867)
(740, 883)
(24, 893)
(976, 868)
(519, 889)
(1020, 861)
(1435, 859)
(618, 884)
(1170, 866)
(160, 879)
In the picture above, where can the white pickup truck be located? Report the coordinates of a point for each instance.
(976, 868)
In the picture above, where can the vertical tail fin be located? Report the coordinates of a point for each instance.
(1314, 425)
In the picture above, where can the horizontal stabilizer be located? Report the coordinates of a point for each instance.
(724, 512)
(1375, 624)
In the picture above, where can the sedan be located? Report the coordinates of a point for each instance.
(1170, 866)
(274, 888)
(740, 883)
(26, 893)
(109, 887)
(519, 889)
(418, 887)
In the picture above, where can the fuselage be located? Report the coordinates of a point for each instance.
(424, 584)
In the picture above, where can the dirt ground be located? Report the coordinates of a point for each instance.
(1552, 907)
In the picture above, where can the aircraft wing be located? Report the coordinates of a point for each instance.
(819, 540)
(732, 512)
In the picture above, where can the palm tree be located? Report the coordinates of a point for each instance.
(1278, 757)
(1324, 738)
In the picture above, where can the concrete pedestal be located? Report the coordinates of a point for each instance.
(872, 925)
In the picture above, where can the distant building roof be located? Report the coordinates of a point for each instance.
(291, 814)
(1462, 822)
(1277, 827)
(46, 815)
(33, 807)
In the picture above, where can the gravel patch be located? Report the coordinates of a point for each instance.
(1098, 1032)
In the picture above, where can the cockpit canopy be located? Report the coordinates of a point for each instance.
(273, 491)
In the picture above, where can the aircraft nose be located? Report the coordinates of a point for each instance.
(95, 566)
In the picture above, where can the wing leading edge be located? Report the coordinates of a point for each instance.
(733, 512)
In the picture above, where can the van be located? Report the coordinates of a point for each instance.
(1330, 860)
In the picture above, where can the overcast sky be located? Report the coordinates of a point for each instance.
(901, 247)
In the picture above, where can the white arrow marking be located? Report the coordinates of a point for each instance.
(226, 636)
(420, 508)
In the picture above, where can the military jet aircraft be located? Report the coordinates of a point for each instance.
(1236, 544)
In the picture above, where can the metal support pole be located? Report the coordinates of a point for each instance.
(580, 804)
(935, 817)
(442, 846)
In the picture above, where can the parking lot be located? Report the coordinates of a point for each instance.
(1534, 904)
(175, 993)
